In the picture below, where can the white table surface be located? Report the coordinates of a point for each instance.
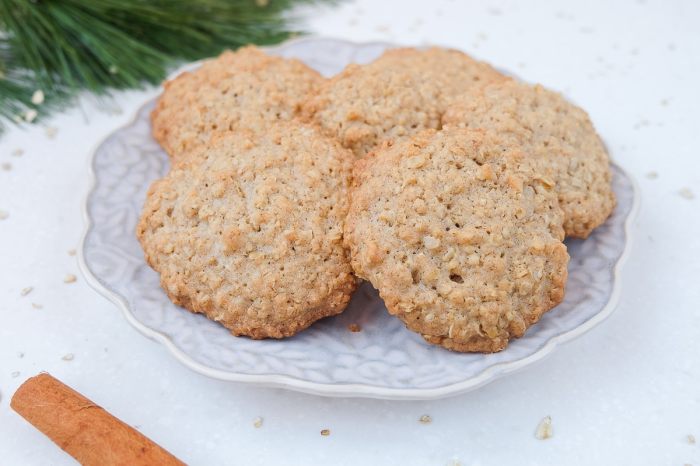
(627, 392)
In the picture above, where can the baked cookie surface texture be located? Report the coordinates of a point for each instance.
(229, 92)
(249, 231)
(459, 235)
(558, 135)
(402, 92)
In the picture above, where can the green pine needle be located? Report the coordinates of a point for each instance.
(63, 46)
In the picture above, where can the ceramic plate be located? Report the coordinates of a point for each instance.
(384, 359)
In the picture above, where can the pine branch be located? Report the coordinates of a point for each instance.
(63, 46)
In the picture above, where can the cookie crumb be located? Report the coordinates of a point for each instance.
(325, 432)
(7, 166)
(691, 439)
(544, 429)
(26, 291)
(37, 306)
(71, 252)
(68, 357)
(354, 328)
(652, 175)
(258, 422)
(70, 278)
(425, 419)
(15, 374)
(4, 214)
(38, 97)
(686, 193)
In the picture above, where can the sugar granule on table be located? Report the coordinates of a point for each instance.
(37, 306)
(30, 115)
(425, 419)
(544, 429)
(18, 152)
(258, 422)
(4, 214)
(38, 97)
(652, 175)
(26, 291)
(691, 439)
(70, 278)
(15, 374)
(6, 166)
(68, 357)
(686, 193)
(71, 252)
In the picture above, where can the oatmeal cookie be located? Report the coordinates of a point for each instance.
(225, 93)
(402, 92)
(460, 236)
(557, 134)
(249, 232)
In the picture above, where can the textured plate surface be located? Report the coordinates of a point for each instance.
(384, 360)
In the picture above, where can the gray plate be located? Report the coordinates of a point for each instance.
(384, 360)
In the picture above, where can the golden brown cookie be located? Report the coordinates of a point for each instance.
(557, 134)
(249, 231)
(228, 92)
(459, 235)
(402, 92)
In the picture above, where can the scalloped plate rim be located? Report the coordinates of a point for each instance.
(339, 389)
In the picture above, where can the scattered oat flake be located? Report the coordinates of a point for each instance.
(70, 278)
(354, 328)
(15, 374)
(68, 357)
(38, 97)
(686, 193)
(37, 306)
(4, 214)
(26, 291)
(325, 432)
(691, 439)
(258, 422)
(544, 429)
(7, 166)
(30, 115)
(18, 152)
(425, 419)
(71, 252)
(51, 132)
(652, 175)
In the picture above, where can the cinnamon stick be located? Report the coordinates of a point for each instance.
(82, 429)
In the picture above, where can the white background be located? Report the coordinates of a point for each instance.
(628, 392)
